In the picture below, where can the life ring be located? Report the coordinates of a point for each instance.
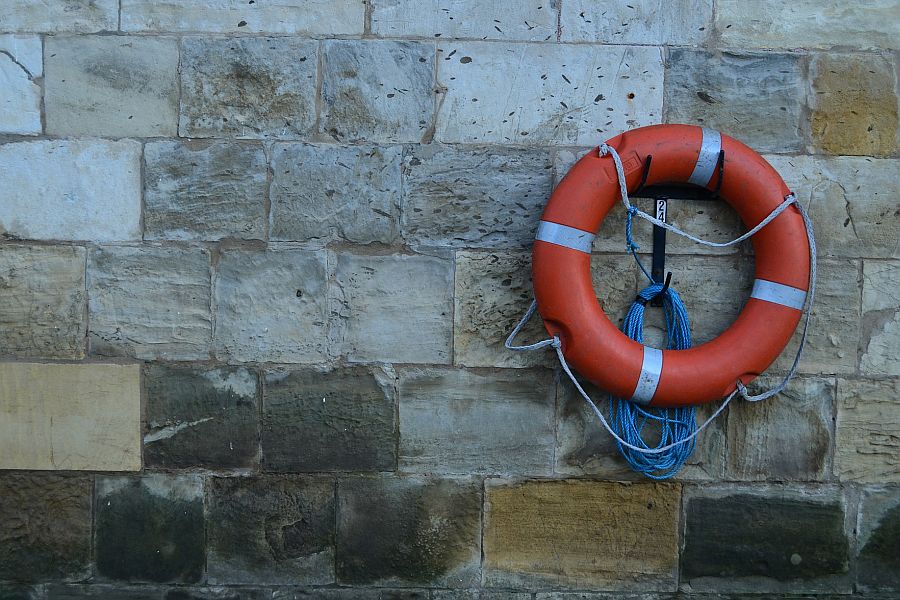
(565, 296)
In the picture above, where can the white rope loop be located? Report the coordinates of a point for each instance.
(554, 342)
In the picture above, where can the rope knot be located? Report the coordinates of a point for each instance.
(604, 149)
(556, 343)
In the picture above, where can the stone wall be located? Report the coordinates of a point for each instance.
(258, 259)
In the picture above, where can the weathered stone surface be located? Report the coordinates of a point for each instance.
(561, 94)
(45, 527)
(21, 62)
(483, 198)
(271, 529)
(299, 17)
(478, 595)
(149, 302)
(150, 528)
(831, 344)
(247, 87)
(879, 540)
(70, 417)
(71, 190)
(111, 85)
(808, 24)
(786, 438)
(42, 301)
(880, 330)
(868, 419)
(556, 534)
(764, 540)
(682, 22)
(16, 591)
(855, 104)
(352, 594)
(116, 590)
(271, 306)
(338, 420)
(201, 417)
(852, 202)
(204, 191)
(493, 291)
(584, 447)
(380, 91)
(83, 16)
(408, 531)
(756, 98)
(219, 593)
(336, 192)
(456, 421)
(393, 308)
(532, 20)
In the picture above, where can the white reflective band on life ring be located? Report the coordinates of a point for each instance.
(778, 293)
(710, 148)
(563, 235)
(651, 368)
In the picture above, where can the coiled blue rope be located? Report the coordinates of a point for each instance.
(632, 422)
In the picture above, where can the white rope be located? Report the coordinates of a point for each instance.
(741, 388)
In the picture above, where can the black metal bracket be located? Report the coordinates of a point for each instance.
(661, 194)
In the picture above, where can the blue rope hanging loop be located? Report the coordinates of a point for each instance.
(667, 425)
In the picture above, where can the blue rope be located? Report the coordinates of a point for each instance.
(668, 425)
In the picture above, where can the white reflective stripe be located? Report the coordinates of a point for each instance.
(708, 159)
(778, 293)
(649, 379)
(563, 235)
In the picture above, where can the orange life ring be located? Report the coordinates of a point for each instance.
(565, 294)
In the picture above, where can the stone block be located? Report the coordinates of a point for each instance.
(558, 94)
(868, 419)
(394, 308)
(379, 91)
(327, 193)
(787, 437)
(70, 417)
(150, 528)
(93, 590)
(482, 198)
(351, 594)
(711, 89)
(45, 527)
(296, 17)
(149, 302)
(248, 87)
(878, 563)
(679, 23)
(409, 531)
(493, 291)
(765, 539)
(831, 344)
(563, 534)
(42, 301)
(338, 420)
(854, 104)
(880, 330)
(851, 201)
(271, 306)
(113, 86)
(71, 190)
(201, 417)
(83, 16)
(532, 20)
(204, 191)
(458, 421)
(271, 529)
(808, 24)
(21, 63)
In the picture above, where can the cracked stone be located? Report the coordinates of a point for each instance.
(880, 330)
(21, 62)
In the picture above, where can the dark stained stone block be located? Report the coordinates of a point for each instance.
(200, 417)
(218, 593)
(45, 527)
(409, 531)
(19, 592)
(271, 529)
(150, 528)
(340, 420)
(790, 539)
(351, 594)
(111, 592)
(879, 555)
